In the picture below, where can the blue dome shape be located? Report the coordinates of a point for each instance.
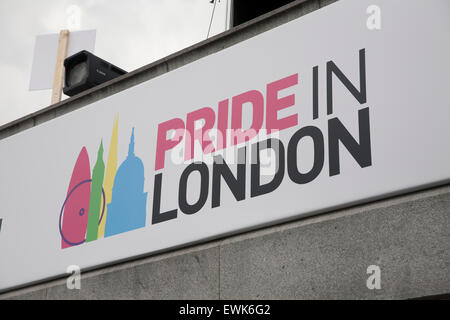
(127, 210)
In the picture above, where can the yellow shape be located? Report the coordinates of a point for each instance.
(110, 174)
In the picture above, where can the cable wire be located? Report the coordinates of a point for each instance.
(212, 16)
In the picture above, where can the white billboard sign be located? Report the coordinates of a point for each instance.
(326, 111)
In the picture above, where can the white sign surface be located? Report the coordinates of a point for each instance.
(45, 52)
(362, 112)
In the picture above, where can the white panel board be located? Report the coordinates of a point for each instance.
(45, 50)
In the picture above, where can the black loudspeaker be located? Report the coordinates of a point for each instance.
(85, 70)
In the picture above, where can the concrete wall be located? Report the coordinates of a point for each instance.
(325, 256)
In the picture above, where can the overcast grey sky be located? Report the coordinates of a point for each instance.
(130, 34)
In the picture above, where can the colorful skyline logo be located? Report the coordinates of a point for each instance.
(110, 202)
